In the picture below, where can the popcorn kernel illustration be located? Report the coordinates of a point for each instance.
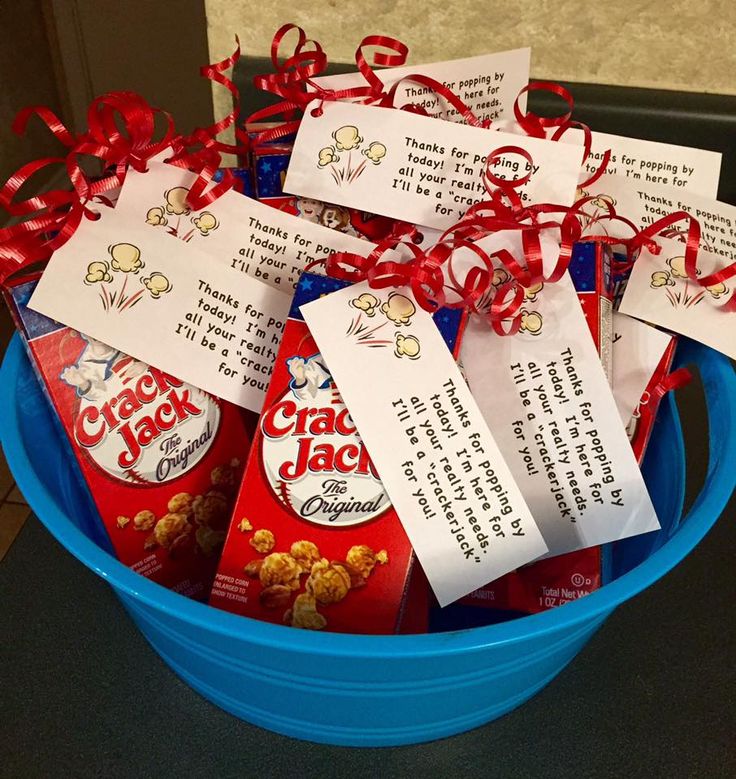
(661, 278)
(280, 568)
(716, 290)
(169, 528)
(304, 614)
(347, 138)
(125, 257)
(366, 303)
(399, 309)
(382, 557)
(531, 322)
(253, 568)
(122, 522)
(530, 293)
(245, 526)
(157, 284)
(97, 271)
(326, 156)
(407, 346)
(209, 540)
(500, 276)
(328, 582)
(144, 520)
(263, 541)
(176, 201)
(155, 216)
(677, 267)
(306, 554)
(375, 152)
(275, 597)
(205, 222)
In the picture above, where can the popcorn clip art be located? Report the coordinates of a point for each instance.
(347, 139)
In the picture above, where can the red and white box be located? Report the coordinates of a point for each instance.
(315, 542)
(161, 459)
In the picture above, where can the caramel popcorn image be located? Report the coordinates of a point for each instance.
(253, 568)
(327, 156)
(407, 346)
(364, 559)
(245, 526)
(169, 528)
(399, 309)
(329, 583)
(366, 303)
(375, 152)
(223, 476)
(144, 520)
(155, 216)
(176, 201)
(150, 542)
(181, 503)
(97, 271)
(280, 568)
(277, 596)
(661, 278)
(209, 540)
(211, 509)
(157, 284)
(263, 541)
(306, 554)
(205, 222)
(122, 522)
(347, 138)
(304, 614)
(125, 257)
(531, 322)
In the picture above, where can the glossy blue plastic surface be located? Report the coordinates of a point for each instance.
(372, 690)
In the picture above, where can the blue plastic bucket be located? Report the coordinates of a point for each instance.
(372, 690)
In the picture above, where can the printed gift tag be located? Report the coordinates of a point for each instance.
(546, 400)
(439, 464)
(248, 236)
(646, 162)
(423, 170)
(487, 84)
(168, 304)
(659, 292)
(637, 351)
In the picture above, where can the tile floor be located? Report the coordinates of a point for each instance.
(13, 507)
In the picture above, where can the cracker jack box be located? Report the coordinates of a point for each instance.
(556, 580)
(160, 459)
(314, 542)
(642, 421)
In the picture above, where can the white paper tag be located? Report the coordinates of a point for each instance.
(645, 162)
(168, 304)
(246, 235)
(416, 168)
(487, 84)
(544, 395)
(439, 464)
(637, 351)
(659, 292)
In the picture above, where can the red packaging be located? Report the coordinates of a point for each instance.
(314, 541)
(642, 421)
(554, 581)
(160, 459)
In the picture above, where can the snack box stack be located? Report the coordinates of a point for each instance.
(314, 541)
(160, 459)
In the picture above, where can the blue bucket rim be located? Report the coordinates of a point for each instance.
(703, 515)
